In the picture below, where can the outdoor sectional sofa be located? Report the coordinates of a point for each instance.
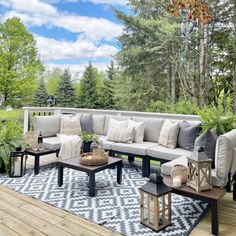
(149, 149)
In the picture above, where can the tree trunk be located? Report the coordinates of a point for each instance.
(234, 63)
(201, 75)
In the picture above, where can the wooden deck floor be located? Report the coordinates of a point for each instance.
(22, 215)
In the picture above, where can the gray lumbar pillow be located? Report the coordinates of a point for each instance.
(187, 135)
(86, 122)
(207, 140)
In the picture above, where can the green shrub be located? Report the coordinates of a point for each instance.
(11, 137)
(213, 118)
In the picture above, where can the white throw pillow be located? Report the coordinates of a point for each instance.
(121, 135)
(70, 125)
(138, 130)
(117, 123)
(169, 134)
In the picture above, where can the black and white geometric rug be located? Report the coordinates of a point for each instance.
(115, 206)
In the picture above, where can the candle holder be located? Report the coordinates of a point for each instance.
(155, 204)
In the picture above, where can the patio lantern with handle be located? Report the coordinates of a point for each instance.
(17, 164)
(199, 170)
(155, 203)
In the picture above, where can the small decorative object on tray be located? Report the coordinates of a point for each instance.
(31, 139)
(90, 159)
(179, 171)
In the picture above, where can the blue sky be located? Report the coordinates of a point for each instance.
(69, 33)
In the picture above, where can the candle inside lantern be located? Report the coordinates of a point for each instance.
(17, 166)
(177, 182)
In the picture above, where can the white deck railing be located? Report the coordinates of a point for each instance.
(29, 111)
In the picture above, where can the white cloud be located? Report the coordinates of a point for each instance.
(77, 70)
(110, 2)
(52, 49)
(36, 13)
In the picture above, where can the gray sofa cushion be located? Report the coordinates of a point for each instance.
(115, 118)
(166, 167)
(52, 143)
(86, 121)
(48, 125)
(106, 144)
(207, 140)
(167, 153)
(98, 124)
(152, 128)
(188, 134)
(133, 148)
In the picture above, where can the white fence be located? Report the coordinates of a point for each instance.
(31, 111)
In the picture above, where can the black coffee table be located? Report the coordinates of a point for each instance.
(37, 153)
(73, 163)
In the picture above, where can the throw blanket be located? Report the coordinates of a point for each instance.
(70, 146)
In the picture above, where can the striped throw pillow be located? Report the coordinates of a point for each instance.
(120, 135)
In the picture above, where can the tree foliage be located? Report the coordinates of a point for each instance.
(88, 96)
(41, 95)
(19, 65)
(65, 92)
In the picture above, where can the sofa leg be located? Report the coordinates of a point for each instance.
(131, 159)
(228, 186)
(144, 167)
(234, 188)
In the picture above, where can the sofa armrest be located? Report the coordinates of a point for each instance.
(224, 154)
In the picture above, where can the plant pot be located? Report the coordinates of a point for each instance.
(86, 146)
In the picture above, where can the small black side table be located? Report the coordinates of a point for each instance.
(37, 153)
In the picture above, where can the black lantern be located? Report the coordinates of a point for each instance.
(17, 164)
(155, 203)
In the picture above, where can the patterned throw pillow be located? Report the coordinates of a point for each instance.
(70, 125)
(169, 134)
(138, 130)
(120, 135)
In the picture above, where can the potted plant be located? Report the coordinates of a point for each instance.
(87, 141)
(11, 139)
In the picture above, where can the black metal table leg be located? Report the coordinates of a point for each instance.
(91, 184)
(214, 218)
(36, 164)
(60, 176)
(119, 172)
(144, 167)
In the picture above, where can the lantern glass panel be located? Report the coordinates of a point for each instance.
(17, 164)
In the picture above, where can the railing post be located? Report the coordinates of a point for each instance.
(26, 120)
(57, 112)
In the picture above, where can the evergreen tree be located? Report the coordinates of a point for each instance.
(65, 92)
(41, 95)
(109, 84)
(88, 97)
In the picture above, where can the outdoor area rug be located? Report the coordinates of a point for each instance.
(115, 206)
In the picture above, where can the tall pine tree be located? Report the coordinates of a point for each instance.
(88, 97)
(65, 92)
(41, 95)
(109, 84)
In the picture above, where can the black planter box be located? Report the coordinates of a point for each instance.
(86, 146)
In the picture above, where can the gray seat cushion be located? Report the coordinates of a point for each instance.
(188, 134)
(133, 148)
(166, 167)
(107, 145)
(47, 125)
(52, 143)
(86, 121)
(152, 128)
(165, 153)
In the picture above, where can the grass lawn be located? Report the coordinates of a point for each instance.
(16, 114)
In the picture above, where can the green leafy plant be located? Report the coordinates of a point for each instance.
(213, 118)
(11, 137)
(88, 137)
